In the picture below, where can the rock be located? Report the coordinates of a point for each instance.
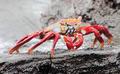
(87, 63)
(104, 12)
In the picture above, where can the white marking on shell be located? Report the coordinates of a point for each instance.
(83, 31)
(56, 30)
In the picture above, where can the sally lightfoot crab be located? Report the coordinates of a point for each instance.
(72, 30)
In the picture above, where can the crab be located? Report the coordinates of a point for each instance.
(72, 30)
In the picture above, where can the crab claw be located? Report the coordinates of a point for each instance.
(78, 41)
(23, 41)
(69, 42)
(74, 44)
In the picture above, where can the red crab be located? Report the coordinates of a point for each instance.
(68, 28)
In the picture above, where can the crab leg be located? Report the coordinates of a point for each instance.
(94, 42)
(89, 29)
(25, 37)
(104, 30)
(108, 35)
(57, 36)
(23, 41)
(47, 37)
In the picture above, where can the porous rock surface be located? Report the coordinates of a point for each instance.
(79, 64)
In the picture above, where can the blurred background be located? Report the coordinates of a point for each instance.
(20, 17)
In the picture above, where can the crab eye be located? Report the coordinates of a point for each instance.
(67, 24)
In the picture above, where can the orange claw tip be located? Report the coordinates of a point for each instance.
(52, 56)
(72, 49)
(52, 53)
(102, 45)
(29, 51)
(10, 51)
(110, 41)
(92, 46)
